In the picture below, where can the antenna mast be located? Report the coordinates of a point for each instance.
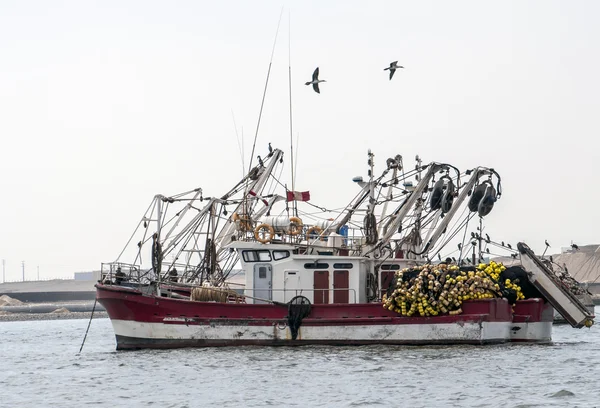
(264, 92)
(295, 204)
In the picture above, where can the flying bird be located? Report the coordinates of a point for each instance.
(315, 81)
(392, 68)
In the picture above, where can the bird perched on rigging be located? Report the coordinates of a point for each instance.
(270, 148)
(315, 81)
(487, 238)
(508, 245)
(575, 247)
(392, 68)
(547, 244)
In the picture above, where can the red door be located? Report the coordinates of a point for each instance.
(340, 287)
(321, 287)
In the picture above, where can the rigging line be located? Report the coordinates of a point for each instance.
(238, 142)
(451, 237)
(272, 186)
(464, 224)
(264, 92)
(136, 229)
(310, 214)
(316, 206)
(139, 253)
(462, 245)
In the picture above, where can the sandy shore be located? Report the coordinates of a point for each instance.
(20, 317)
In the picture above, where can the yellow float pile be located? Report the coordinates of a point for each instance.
(433, 290)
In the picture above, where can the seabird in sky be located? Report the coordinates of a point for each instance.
(392, 68)
(315, 81)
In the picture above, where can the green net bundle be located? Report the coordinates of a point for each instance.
(432, 290)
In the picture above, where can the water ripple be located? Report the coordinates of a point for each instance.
(41, 367)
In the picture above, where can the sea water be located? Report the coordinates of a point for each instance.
(40, 367)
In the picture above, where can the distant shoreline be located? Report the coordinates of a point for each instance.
(23, 317)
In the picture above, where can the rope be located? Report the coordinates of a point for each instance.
(88, 328)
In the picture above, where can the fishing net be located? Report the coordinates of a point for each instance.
(432, 290)
(298, 308)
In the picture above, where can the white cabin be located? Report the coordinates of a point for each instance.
(277, 272)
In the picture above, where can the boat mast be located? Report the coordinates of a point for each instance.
(396, 164)
(156, 247)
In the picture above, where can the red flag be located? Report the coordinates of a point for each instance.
(298, 195)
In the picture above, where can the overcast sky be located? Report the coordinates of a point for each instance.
(104, 104)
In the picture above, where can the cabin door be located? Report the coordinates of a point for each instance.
(263, 282)
(321, 287)
(340, 287)
(291, 285)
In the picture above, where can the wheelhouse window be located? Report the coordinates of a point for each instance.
(342, 266)
(317, 265)
(278, 255)
(390, 267)
(256, 256)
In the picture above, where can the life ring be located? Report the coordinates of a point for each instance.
(315, 230)
(295, 226)
(261, 229)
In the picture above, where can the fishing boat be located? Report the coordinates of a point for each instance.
(319, 278)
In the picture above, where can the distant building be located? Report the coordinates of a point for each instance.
(87, 276)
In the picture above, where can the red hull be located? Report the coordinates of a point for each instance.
(143, 321)
(129, 304)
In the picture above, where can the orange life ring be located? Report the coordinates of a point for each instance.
(315, 230)
(261, 229)
(295, 226)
